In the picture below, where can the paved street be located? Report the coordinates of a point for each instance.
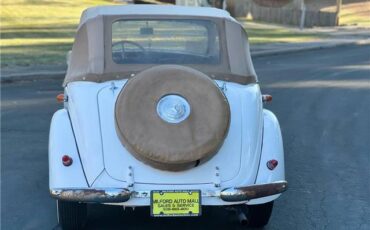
(322, 99)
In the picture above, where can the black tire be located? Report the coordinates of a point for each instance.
(71, 215)
(257, 215)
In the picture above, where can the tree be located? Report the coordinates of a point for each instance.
(299, 4)
(339, 7)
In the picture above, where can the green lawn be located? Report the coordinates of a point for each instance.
(260, 33)
(37, 32)
(356, 13)
(40, 32)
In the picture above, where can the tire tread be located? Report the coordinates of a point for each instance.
(259, 215)
(71, 215)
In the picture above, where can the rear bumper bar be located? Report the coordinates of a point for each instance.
(89, 195)
(253, 192)
(120, 195)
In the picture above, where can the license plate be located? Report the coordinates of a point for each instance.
(175, 203)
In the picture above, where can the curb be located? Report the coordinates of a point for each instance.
(59, 75)
(44, 75)
(301, 49)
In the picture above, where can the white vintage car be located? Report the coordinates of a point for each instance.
(162, 108)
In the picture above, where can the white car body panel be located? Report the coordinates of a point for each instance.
(272, 148)
(91, 107)
(83, 110)
(62, 142)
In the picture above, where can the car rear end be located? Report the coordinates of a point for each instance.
(163, 111)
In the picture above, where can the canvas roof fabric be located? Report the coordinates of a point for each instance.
(91, 57)
(153, 10)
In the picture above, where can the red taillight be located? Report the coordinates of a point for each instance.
(60, 98)
(67, 160)
(266, 98)
(271, 164)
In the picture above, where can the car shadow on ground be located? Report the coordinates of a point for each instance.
(115, 217)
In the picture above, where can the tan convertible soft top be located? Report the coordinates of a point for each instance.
(91, 58)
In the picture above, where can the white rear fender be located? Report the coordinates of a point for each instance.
(272, 149)
(62, 142)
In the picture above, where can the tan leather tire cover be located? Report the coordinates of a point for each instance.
(164, 145)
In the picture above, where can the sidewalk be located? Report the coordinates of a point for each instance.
(327, 38)
(319, 38)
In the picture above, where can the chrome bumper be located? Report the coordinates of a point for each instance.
(119, 195)
(110, 195)
(253, 191)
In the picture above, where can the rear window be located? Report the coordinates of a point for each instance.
(165, 42)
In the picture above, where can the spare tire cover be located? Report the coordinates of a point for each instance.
(199, 111)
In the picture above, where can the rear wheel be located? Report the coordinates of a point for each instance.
(257, 215)
(71, 215)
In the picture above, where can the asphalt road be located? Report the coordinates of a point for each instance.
(322, 99)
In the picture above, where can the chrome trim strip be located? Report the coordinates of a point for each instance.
(89, 195)
(253, 192)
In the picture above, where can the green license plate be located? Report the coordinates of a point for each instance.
(175, 203)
